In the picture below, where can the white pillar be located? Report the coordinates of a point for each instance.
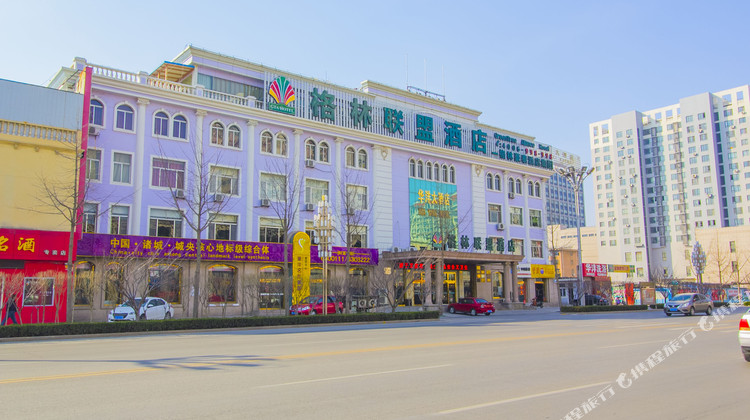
(338, 171)
(297, 153)
(527, 217)
(250, 145)
(200, 170)
(135, 227)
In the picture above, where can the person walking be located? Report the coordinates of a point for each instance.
(11, 312)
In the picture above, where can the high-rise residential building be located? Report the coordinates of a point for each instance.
(662, 174)
(561, 203)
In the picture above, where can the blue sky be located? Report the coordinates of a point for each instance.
(542, 68)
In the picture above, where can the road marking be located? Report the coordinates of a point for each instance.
(360, 375)
(526, 397)
(646, 325)
(634, 344)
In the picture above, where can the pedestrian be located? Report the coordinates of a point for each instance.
(11, 312)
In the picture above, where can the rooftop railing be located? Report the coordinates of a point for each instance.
(36, 131)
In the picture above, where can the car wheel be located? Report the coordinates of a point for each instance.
(143, 317)
(488, 313)
(691, 312)
(452, 310)
(313, 312)
(473, 312)
(709, 309)
(167, 316)
(747, 356)
(667, 314)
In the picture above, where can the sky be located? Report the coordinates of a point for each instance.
(542, 68)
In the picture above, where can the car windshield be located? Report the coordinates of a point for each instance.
(681, 297)
(310, 299)
(137, 303)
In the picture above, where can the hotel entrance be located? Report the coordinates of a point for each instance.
(449, 287)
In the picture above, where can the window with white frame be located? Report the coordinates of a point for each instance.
(281, 144)
(179, 127)
(38, 291)
(124, 117)
(165, 223)
(323, 152)
(494, 213)
(266, 142)
(362, 159)
(412, 168)
(118, 220)
(224, 180)
(356, 197)
(310, 231)
(93, 164)
(90, 214)
(516, 216)
(350, 157)
(217, 133)
(428, 170)
(96, 112)
(270, 230)
(517, 247)
(121, 163)
(315, 190)
(223, 227)
(535, 218)
(273, 187)
(310, 149)
(498, 183)
(536, 249)
(519, 187)
(161, 124)
(167, 173)
(490, 181)
(357, 236)
(233, 136)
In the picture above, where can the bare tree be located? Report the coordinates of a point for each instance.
(392, 283)
(249, 290)
(555, 244)
(718, 262)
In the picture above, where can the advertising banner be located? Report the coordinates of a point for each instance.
(433, 213)
(594, 270)
(33, 245)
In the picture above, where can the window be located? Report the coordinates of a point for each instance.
(121, 167)
(38, 291)
(165, 223)
(498, 183)
(217, 133)
(516, 216)
(517, 246)
(536, 249)
(428, 171)
(535, 218)
(179, 127)
(732, 246)
(164, 281)
(93, 164)
(124, 120)
(167, 173)
(446, 177)
(222, 284)
(118, 220)
(114, 277)
(356, 197)
(323, 152)
(537, 190)
(420, 169)
(96, 113)
(362, 159)
(83, 288)
(233, 136)
(310, 149)
(357, 236)
(281, 144)
(437, 172)
(511, 185)
(161, 124)
(266, 142)
(273, 187)
(224, 180)
(270, 231)
(315, 190)
(490, 181)
(90, 213)
(271, 289)
(519, 187)
(494, 213)
(223, 227)
(531, 188)
(412, 168)
(350, 157)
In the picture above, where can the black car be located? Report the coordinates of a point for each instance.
(596, 300)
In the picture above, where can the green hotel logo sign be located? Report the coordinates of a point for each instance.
(282, 92)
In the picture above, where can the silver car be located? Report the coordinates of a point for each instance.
(688, 304)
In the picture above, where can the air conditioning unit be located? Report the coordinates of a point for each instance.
(93, 131)
(264, 202)
(218, 198)
(500, 226)
(178, 193)
(310, 163)
(309, 207)
(511, 195)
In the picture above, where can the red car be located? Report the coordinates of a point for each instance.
(313, 305)
(470, 305)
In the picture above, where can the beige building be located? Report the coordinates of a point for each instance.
(727, 254)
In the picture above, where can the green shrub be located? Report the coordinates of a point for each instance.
(603, 308)
(83, 328)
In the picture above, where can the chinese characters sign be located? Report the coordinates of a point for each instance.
(18, 244)
(433, 213)
(594, 270)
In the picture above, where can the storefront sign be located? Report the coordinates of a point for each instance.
(542, 271)
(524, 271)
(33, 245)
(621, 268)
(594, 270)
(103, 245)
(282, 92)
(301, 266)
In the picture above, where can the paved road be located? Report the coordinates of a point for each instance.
(512, 365)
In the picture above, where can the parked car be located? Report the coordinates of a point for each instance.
(688, 304)
(313, 305)
(471, 305)
(744, 335)
(148, 308)
(596, 300)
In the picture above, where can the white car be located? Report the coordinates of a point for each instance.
(148, 308)
(744, 335)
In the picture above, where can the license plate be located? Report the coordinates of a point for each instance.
(119, 316)
(673, 310)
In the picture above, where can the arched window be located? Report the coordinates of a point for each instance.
(310, 149)
(412, 168)
(498, 183)
(531, 188)
(179, 127)
(511, 184)
(420, 169)
(281, 144)
(362, 159)
(161, 124)
(453, 175)
(217, 133)
(266, 142)
(537, 188)
(350, 157)
(437, 171)
(271, 289)
(428, 170)
(490, 179)
(84, 283)
(96, 112)
(164, 280)
(323, 152)
(445, 173)
(222, 284)
(124, 120)
(519, 187)
(233, 136)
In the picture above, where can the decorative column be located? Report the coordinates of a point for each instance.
(135, 228)
(249, 179)
(200, 168)
(514, 279)
(338, 178)
(507, 282)
(297, 152)
(527, 222)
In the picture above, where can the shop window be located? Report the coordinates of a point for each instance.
(114, 283)
(84, 284)
(358, 281)
(271, 288)
(165, 282)
(38, 291)
(222, 284)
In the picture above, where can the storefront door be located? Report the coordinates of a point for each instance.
(449, 287)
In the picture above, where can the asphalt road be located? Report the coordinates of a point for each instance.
(511, 365)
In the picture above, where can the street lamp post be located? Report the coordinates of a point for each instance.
(575, 177)
(323, 226)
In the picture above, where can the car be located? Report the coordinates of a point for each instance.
(313, 305)
(472, 305)
(744, 335)
(688, 304)
(596, 300)
(148, 308)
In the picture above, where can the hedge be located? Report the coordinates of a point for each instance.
(603, 308)
(83, 328)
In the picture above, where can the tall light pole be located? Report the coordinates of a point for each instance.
(323, 226)
(575, 177)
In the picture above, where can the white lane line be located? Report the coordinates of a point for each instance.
(635, 344)
(361, 375)
(526, 397)
(656, 324)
